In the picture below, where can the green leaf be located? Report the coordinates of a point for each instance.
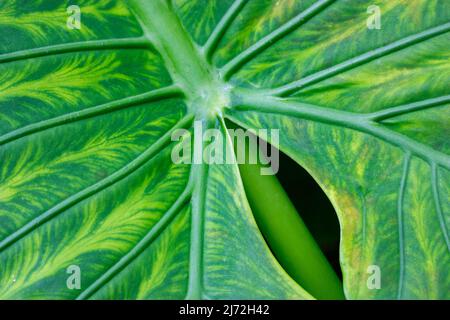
(86, 117)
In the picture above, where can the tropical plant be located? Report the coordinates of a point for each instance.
(86, 177)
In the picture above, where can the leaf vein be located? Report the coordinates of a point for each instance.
(222, 27)
(437, 202)
(407, 108)
(237, 62)
(357, 61)
(117, 176)
(154, 95)
(355, 121)
(401, 231)
(124, 43)
(140, 246)
(200, 174)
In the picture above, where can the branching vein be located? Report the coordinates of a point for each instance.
(401, 233)
(233, 66)
(437, 202)
(354, 62)
(356, 121)
(148, 239)
(407, 108)
(125, 43)
(222, 27)
(163, 93)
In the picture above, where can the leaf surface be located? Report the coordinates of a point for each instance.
(86, 117)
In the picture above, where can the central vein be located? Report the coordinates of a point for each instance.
(205, 93)
(205, 96)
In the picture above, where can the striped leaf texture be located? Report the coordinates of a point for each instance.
(86, 117)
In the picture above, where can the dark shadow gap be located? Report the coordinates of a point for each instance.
(308, 199)
(313, 206)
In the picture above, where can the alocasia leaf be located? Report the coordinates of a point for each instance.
(86, 116)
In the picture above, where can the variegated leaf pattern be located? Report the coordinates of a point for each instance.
(86, 116)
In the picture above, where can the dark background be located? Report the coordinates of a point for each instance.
(313, 206)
